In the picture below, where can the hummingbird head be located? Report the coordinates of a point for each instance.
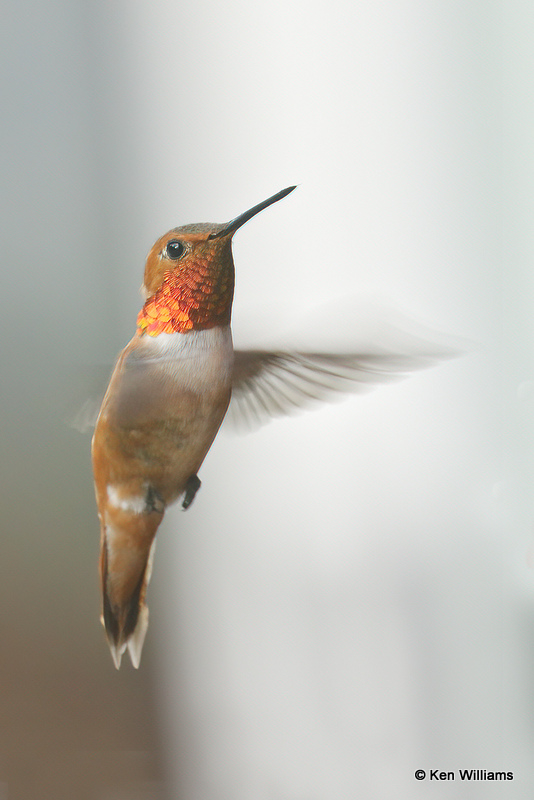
(189, 276)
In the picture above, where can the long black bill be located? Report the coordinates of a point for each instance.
(242, 218)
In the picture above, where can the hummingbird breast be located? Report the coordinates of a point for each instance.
(165, 403)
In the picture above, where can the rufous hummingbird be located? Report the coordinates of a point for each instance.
(168, 396)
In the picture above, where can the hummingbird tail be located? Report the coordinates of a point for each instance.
(125, 574)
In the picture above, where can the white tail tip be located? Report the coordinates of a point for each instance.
(136, 640)
(116, 654)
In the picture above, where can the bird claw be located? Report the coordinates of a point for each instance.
(191, 488)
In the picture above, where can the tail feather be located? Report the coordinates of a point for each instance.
(125, 574)
(136, 640)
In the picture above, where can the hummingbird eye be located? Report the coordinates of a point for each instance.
(174, 249)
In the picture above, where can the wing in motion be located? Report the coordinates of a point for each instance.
(268, 384)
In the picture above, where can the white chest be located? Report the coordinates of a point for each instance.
(196, 361)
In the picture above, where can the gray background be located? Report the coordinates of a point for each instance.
(351, 597)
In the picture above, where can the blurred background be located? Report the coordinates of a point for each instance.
(351, 597)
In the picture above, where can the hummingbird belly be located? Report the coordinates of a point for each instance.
(165, 403)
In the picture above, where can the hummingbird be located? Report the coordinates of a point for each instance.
(168, 395)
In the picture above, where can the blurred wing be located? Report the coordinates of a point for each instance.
(84, 394)
(270, 384)
(84, 418)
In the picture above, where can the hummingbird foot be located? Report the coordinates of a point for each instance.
(191, 488)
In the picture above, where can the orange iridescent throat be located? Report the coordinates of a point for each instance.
(187, 301)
